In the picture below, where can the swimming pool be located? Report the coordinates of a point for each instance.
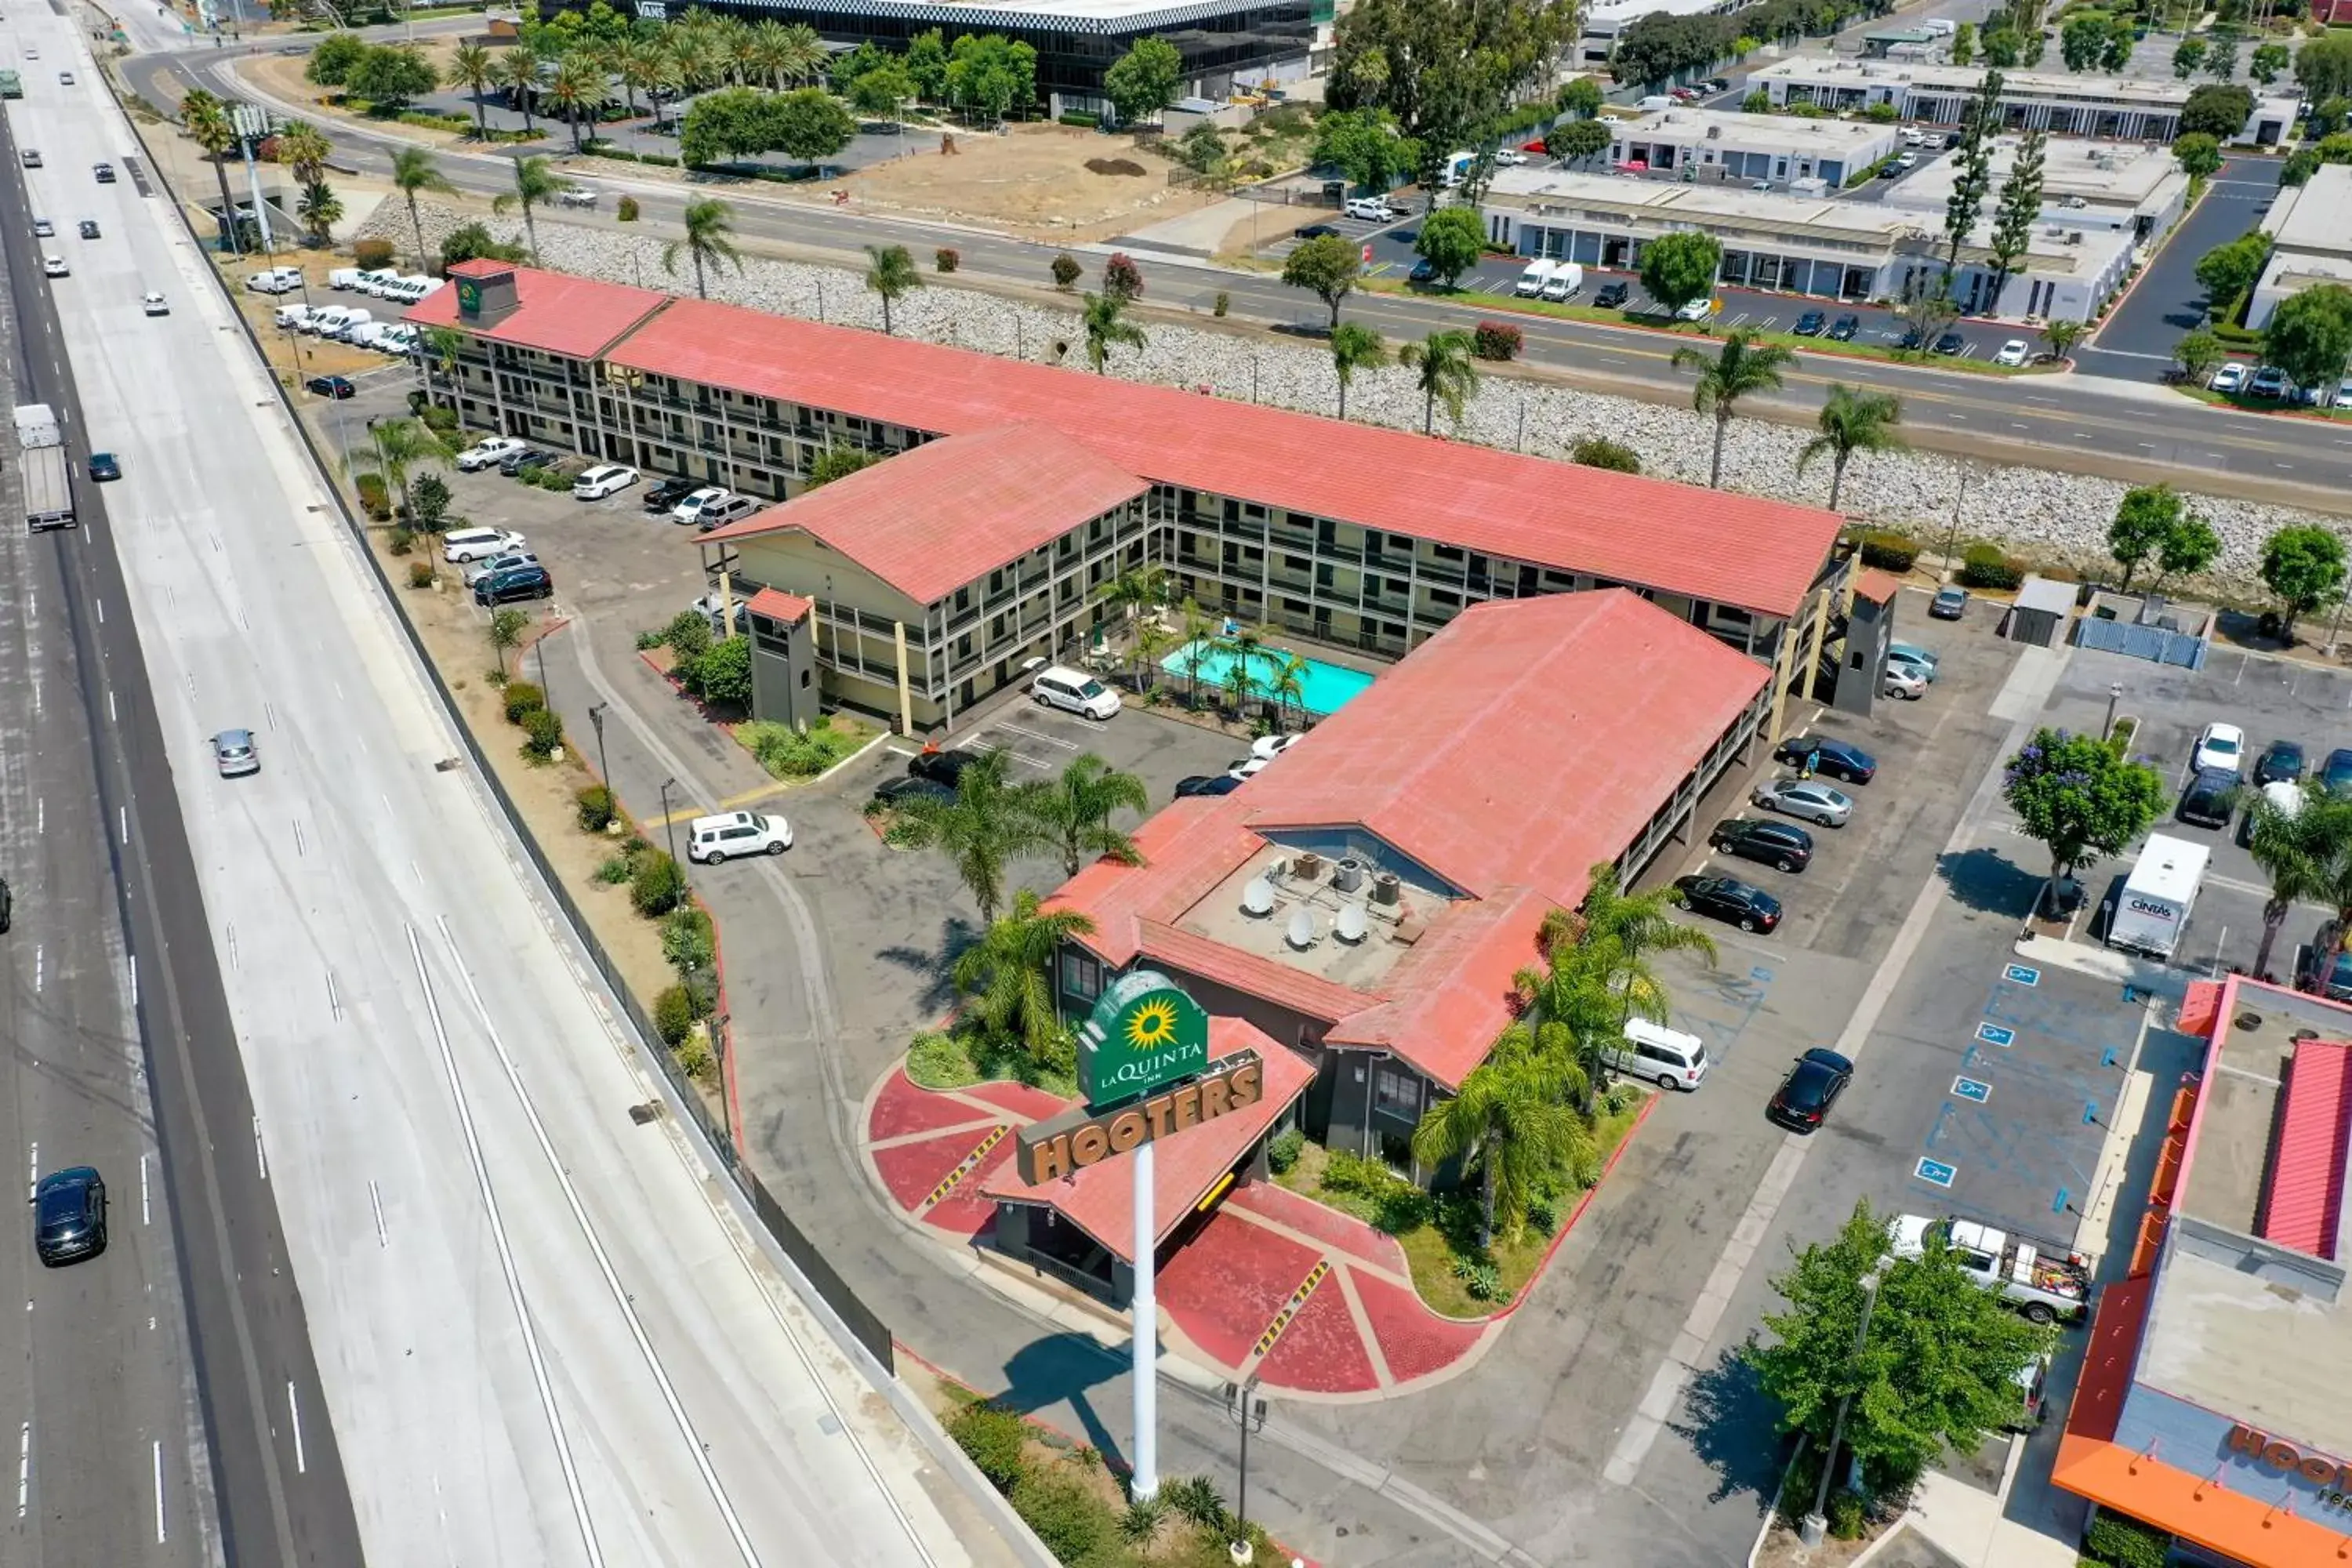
(1326, 688)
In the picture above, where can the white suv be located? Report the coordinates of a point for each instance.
(1073, 691)
(479, 543)
(1372, 210)
(605, 479)
(482, 454)
(690, 509)
(712, 840)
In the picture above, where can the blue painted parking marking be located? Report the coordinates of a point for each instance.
(1972, 1089)
(2023, 974)
(1996, 1035)
(1936, 1172)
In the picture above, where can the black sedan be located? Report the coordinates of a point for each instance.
(1812, 1085)
(1950, 343)
(69, 1216)
(667, 493)
(2282, 762)
(330, 386)
(1811, 324)
(1948, 604)
(89, 229)
(1612, 295)
(1827, 754)
(1844, 329)
(1313, 231)
(103, 466)
(895, 793)
(1783, 845)
(942, 766)
(2210, 798)
(1422, 271)
(1750, 908)
(1207, 784)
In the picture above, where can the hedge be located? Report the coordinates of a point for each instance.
(523, 699)
(595, 804)
(2123, 1542)
(1496, 340)
(1984, 566)
(1889, 551)
(673, 1016)
(1080, 117)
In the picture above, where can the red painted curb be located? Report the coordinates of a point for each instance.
(1574, 1215)
(727, 1057)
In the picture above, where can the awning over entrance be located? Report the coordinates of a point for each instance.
(1099, 1198)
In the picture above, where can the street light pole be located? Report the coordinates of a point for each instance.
(1815, 1525)
(1245, 1410)
(2114, 695)
(596, 723)
(1951, 533)
(670, 831)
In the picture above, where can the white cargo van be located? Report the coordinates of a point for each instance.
(1667, 1058)
(1565, 279)
(2153, 910)
(1531, 282)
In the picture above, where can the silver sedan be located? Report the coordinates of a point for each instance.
(233, 753)
(1805, 799)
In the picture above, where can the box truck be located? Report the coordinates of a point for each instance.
(2153, 910)
(49, 483)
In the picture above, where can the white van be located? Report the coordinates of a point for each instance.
(1667, 1058)
(2158, 897)
(295, 316)
(1531, 282)
(322, 323)
(1073, 691)
(342, 277)
(1565, 281)
(353, 322)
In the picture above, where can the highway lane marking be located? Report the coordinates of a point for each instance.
(506, 1253)
(294, 1415)
(123, 824)
(260, 1156)
(144, 1217)
(232, 947)
(101, 609)
(32, 1172)
(38, 951)
(24, 1467)
(134, 982)
(376, 1201)
(159, 1492)
(334, 1002)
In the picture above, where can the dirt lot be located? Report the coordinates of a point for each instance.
(1055, 181)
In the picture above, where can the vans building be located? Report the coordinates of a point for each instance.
(2128, 109)
(1749, 147)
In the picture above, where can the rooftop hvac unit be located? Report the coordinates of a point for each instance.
(1353, 924)
(1307, 866)
(1257, 898)
(1348, 874)
(2074, 236)
(1301, 931)
(1715, 133)
(1385, 888)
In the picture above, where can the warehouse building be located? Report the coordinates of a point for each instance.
(2127, 108)
(2311, 241)
(1723, 145)
(2136, 190)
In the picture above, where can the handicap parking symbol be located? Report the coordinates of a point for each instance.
(2023, 974)
(1936, 1172)
(1972, 1089)
(1996, 1035)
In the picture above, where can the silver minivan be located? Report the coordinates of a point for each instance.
(1667, 1058)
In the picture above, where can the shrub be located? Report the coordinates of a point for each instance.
(1496, 340)
(693, 1057)
(687, 634)
(992, 1436)
(543, 732)
(690, 945)
(627, 211)
(1195, 1498)
(2123, 1542)
(1083, 121)
(1601, 452)
(937, 1060)
(655, 884)
(373, 499)
(1283, 1150)
(1845, 1514)
(1543, 1213)
(420, 573)
(1480, 1277)
(1225, 302)
(1889, 551)
(947, 258)
(372, 253)
(596, 806)
(614, 871)
(402, 541)
(673, 1016)
(1068, 1517)
(441, 421)
(1142, 1519)
(1984, 566)
(785, 753)
(523, 698)
(1065, 271)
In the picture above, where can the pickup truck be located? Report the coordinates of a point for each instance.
(2041, 1278)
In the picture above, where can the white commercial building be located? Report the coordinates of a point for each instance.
(1725, 145)
(2127, 108)
(1814, 245)
(2311, 241)
(2124, 187)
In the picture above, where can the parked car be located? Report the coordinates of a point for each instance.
(2231, 377)
(1902, 656)
(1844, 329)
(463, 545)
(890, 794)
(2211, 799)
(1612, 295)
(1274, 745)
(1058, 686)
(2269, 382)
(474, 571)
(1244, 769)
(485, 452)
(1372, 210)
(104, 465)
(2014, 352)
(90, 228)
(1697, 310)
(1902, 680)
(518, 583)
(1811, 1087)
(2281, 795)
(2282, 762)
(689, 510)
(2219, 746)
(333, 386)
(1783, 845)
(734, 508)
(2336, 773)
(1927, 659)
(234, 753)
(1206, 783)
(1728, 898)
(516, 461)
(943, 766)
(69, 1216)
(1313, 231)
(603, 479)
(714, 841)
(1828, 755)
(1811, 324)
(1807, 798)
(666, 493)
(1949, 604)
(1422, 271)
(1950, 343)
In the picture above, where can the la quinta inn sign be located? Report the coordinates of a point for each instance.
(1143, 1035)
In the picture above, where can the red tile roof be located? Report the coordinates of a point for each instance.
(1876, 586)
(1452, 994)
(555, 312)
(937, 516)
(1099, 1199)
(779, 606)
(1761, 555)
(2303, 1192)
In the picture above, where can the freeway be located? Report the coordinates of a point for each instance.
(541, 1335)
(2078, 423)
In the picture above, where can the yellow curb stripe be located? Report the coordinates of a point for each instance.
(970, 1162)
(1315, 1276)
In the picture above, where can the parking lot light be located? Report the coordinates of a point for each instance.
(2114, 695)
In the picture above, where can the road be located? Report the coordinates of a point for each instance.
(541, 1335)
(2079, 423)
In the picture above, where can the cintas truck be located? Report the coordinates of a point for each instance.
(49, 479)
(2040, 1279)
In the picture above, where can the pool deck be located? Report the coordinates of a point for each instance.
(1343, 661)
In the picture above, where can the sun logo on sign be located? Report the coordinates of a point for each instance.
(1152, 1026)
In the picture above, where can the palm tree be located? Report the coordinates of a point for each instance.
(1009, 973)
(1354, 347)
(1137, 590)
(708, 237)
(1741, 367)
(319, 209)
(414, 170)
(1596, 973)
(745, 53)
(518, 72)
(579, 88)
(474, 67)
(1447, 375)
(535, 182)
(2062, 336)
(1153, 642)
(397, 448)
(807, 55)
(208, 125)
(1108, 326)
(1852, 420)
(438, 350)
(632, 64)
(892, 274)
(1288, 685)
(2300, 850)
(982, 829)
(1512, 1118)
(1073, 811)
(303, 148)
(1198, 648)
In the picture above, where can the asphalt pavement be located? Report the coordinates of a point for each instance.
(2167, 302)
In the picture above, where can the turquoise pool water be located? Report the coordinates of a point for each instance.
(1327, 687)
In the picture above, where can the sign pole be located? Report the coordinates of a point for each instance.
(1146, 1481)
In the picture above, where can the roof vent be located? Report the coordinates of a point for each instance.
(1307, 866)
(1354, 924)
(1385, 888)
(1301, 931)
(1348, 874)
(1257, 898)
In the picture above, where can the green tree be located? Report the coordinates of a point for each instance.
(1576, 141)
(472, 67)
(2063, 335)
(882, 93)
(2218, 108)
(2304, 565)
(208, 125)
(1364, 145)
(2221, 59)
(1853, 419)
(2329, 117)
(1073, 812)
(2189, 548)
(2269, 62)
(2310, 336)
(1758, 102)
(304, 148)
(1973, 164)
(2003, 50)
(1447, 372)
(331, 63)
(927, 63)
(1596, 971)
(2083, 40)
(890, 273)
(1354, 347)
(708, 240)
(2187, 57)
(724, 674)
(1445, 69)
(839, 463)
(519, 73)
(1581, 98)
(414, 170)
(2019, 209)
(319, 209)
(506, 626)
(2122, 38)
(2323, 67)
(808, 125)
(1510, 1121)
(396, 449)
(392, 76)
(1451, 240)
(1143, 81)
(1325, 265)
(991, 75)
(1008, 974)
(2079, 798)
(578, 89)
(2145, 518)
(2200, 155)
(982, 829)
(1601, 452)
(1741, 367)
(1107, 327)
(1680, 267)
(2200, 354)
(2303, 852)
(1135, 591)
(1964, 44)
(535, 182)
(2229, 271)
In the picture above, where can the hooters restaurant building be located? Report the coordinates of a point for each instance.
(2216, 1398)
